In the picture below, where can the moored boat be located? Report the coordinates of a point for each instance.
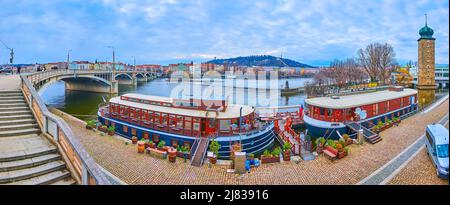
(332, 116)
(185, 121)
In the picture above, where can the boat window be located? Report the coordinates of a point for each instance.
(225, 125)
(188, 123)
(164, 119)
(180, 121)
(196, 124)
(322, 111)
(172, 121)
(158, 117)
(330, 112)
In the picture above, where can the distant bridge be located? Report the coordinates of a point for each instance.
(103, 81)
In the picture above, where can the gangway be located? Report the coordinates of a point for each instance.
(200, 147)
(368, 134)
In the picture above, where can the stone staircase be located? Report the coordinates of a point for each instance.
(26, 157)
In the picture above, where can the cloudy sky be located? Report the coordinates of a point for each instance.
(164, 31)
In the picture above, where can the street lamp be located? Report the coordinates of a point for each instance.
(114, 58)
(68, 58)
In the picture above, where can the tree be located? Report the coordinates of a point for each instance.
(378, 61)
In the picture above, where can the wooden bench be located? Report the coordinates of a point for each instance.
(157, 153)
(330, 152)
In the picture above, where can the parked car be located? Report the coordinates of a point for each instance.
(437, 148)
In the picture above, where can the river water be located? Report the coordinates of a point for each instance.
(84, 105)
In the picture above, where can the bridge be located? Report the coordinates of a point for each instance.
(102, 81)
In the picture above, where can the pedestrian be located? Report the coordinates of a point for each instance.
(18, 69)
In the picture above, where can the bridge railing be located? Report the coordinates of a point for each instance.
(82, 166)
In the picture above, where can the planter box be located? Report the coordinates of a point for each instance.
(157, 153)
(341, 155)
(103, 129)
(266, 160)
(89, 127)
(287, 156)
(111, 133)
(181, 155)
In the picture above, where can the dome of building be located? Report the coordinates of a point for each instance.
(426, 32)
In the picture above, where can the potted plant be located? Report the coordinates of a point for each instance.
(111, 130)
(340, 149)
(186, 152)
(172, 153)
(347, 139)
(320, 142)
(141, 146)
(134, 139)
(90, 124)
(214, 147)
(103, 128)
(161, 145)
(287, 151)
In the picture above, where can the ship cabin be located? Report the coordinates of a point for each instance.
(189, 117)
(326, 115)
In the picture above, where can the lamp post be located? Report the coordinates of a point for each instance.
(68, 58)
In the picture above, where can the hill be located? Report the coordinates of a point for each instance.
(264, 60)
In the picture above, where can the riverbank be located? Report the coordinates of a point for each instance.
(123, 161)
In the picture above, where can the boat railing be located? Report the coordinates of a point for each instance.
(82, 166)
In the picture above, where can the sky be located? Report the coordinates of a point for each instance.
(169, 31)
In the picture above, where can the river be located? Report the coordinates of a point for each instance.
(84, 105)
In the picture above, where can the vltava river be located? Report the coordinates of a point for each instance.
(84, 105)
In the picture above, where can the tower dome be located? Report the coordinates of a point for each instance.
(426, 32)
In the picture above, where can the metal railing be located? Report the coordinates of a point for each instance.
(80, 163)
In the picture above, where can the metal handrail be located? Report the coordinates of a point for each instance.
(90, 168)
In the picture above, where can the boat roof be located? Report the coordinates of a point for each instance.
(356, 100)
(440, 133)
(231, 112)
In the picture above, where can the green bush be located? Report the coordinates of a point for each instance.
(267, 153)
(286, 146)
(161, 144)
(320, 140)
(111, 129)
(91, 123)
(214, 147)
(276, 151)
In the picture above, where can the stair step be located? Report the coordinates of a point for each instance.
(67, 181)
(10, 91)
(27, 163)
(23, 104)
(60, 177)
(10, 133)
(18, 127)
(17, 122)
(11, 101)
(18, 108)
(11, 98)
(10, 113)
(23, 174)
(20, 155)
(15, 117)
(10, 94)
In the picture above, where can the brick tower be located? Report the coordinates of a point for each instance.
(426, 61)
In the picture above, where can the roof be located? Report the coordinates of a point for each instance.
(356, 100)
(440, 133)
(232, 111)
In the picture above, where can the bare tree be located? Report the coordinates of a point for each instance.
(377, 60)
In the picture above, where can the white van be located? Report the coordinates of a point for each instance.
(437, 148)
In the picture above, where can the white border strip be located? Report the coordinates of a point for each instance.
(400, 168)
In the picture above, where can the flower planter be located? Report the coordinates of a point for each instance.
(141, 147)
(341, 155)
(152, 145)
(348, 142)
(213, 160)
(181, 155)
(319, 149)
(89, 127)
(157, 153)
(172, 153)
(287, 155)
(103, 129)
(111, 133)
(167, 148)
(134, 140)
(266, 160)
